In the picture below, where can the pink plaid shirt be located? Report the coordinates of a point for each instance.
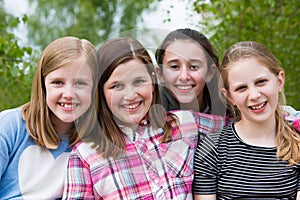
(148, 170)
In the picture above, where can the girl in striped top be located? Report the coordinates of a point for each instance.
(257, 156)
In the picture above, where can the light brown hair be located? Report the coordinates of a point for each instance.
(36, 112)
(288, 140)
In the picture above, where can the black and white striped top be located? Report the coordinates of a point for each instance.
(226, 166)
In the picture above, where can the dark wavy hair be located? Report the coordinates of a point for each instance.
(210, 92)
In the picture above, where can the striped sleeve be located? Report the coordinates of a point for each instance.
(78, 182)
(205, 168)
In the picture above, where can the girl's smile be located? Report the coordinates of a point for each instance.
(128, 92)
(69, 90)
(254, 89)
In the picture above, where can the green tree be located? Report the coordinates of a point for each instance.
(15, 64)
(94, 20)
(274, 23)
(49, 20)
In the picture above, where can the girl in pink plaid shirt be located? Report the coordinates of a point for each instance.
(142, 152)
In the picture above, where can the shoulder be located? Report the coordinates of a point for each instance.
(85, 151)
(11, 123)
(184, 115)
(208, 123)
(222, 136)
(291, 111)
(11, 114)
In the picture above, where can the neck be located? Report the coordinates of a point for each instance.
(257, 134)
(60, 126)
(195, 105)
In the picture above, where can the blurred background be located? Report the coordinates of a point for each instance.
(27, 26)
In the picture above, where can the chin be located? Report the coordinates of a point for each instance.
(186, 101)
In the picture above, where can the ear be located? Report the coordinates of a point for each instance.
(160, 75)
(210, 73)
(227, 95)
(280, 77)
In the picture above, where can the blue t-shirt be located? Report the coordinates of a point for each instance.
(28, 171)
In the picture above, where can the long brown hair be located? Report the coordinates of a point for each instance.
(210, 91)
(287, 138)
(111, 141)
(36, 112)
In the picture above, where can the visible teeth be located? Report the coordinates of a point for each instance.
(186, 87)
(258, 107)
(132, 106)
(68, 106)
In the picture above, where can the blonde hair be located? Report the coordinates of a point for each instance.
(287, 138)
(36, 112)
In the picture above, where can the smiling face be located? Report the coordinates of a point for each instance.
(128, 92)
(254, 89)
(185, 71)
(69, 91)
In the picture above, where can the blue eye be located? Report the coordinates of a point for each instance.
(80, 83)
(117, 86)
(138, 82)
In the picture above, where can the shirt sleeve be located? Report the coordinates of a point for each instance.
(291, 111)
(8, 132)
(208, 123)
(78, 182)
(205, 168)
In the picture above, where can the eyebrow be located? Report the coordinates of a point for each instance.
(188, 60)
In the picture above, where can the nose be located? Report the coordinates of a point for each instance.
(68, 92)
(130, 93)
(184, 74)
(254, 93)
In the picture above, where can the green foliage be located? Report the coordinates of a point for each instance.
(93, 20)
(15, 66)
(274, 23)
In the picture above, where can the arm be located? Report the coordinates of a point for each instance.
(205, 197)
(9, 136)
(205, 170)
(78, 181)
(298, 195)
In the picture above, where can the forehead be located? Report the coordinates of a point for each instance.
(129, 69)
(75, 68)
(185, 49)
(248, 69)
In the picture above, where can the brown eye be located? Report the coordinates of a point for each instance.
(194, 67)
(261, 81)
(57, 82)
(175, 67)
(239, 89)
